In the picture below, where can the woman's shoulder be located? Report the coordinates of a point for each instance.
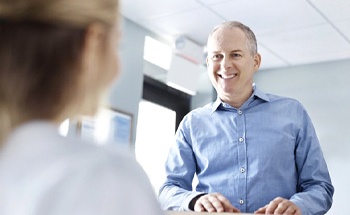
(104, 179)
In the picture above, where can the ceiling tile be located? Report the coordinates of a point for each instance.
(137, 10)
(344, 27)
(212, 2)
(314, 44)
(333, 9)
(189, 23)
(270, 15)
(270, 60)
(289, 32)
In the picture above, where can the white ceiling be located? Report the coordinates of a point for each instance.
(289, 32)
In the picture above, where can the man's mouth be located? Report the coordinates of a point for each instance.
(225, 77)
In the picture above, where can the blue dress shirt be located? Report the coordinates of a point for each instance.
(268, 148)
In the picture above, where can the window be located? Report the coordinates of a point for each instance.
(157, 53)
(155, 132)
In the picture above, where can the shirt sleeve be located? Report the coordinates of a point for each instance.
(314, 189)
(176, 193)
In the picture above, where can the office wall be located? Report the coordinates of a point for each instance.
(324, 90)
(205, 90)
(126, 92)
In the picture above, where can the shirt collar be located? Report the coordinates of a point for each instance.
(256, 94)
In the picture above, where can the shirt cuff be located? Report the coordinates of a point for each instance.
(186, 203)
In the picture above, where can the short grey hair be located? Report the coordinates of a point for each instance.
(251, 42)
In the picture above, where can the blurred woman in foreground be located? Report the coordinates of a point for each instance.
(57, 58)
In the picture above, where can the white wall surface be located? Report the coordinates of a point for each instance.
(324, 90)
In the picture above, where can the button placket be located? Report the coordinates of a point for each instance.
(242, 169)
(242, 159)
(241, 201)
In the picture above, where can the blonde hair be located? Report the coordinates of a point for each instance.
(77, 13)
(40, 57)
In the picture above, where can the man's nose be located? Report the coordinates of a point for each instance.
(226, 63)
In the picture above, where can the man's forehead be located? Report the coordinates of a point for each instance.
(225, 31)
(226, 38)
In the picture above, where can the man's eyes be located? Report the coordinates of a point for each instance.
(217, 57)
(235, 55)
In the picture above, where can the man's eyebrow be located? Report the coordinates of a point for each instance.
(214, 52)
(217, 51)
(236, 50)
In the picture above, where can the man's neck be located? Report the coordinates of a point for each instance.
(237, 100)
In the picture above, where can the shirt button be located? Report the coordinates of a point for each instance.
(241, 201)
(240, 112)
(242, 170)
(241, 139)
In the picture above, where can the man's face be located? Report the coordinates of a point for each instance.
(230, 64)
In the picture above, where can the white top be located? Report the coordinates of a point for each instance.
(43, 173)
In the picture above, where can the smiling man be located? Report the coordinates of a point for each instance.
(232, 61)
(252, 152)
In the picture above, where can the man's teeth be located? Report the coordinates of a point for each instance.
(227, 76)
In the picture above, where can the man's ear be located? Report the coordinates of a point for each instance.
(257, 61)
